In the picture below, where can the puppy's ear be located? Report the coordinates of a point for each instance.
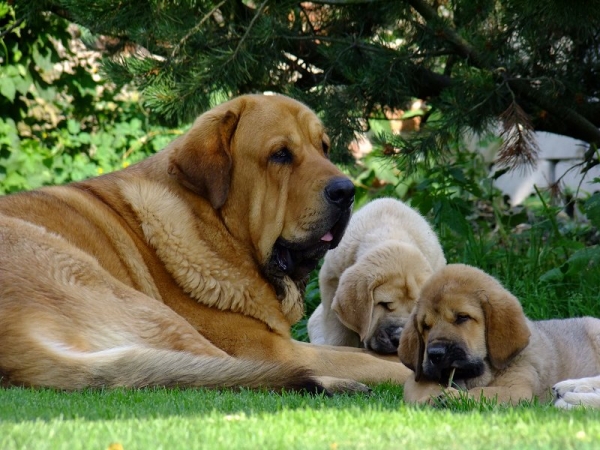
(353, 300)
(202, 161)
(412, 347)
(507, 333)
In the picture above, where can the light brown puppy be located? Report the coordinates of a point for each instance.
(370, 282)
(185, 269)
(468, 328)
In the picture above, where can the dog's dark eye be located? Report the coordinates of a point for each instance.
(326, 148)
(425, 326)
(387, 305)
(461, 318)
(282, 156)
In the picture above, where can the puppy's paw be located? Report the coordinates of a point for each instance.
(581, 385)
(572, 400)
(575, 393)
(333, 385)
(444, 399)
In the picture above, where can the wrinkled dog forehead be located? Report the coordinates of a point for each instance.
(294, 120)
(447, 304)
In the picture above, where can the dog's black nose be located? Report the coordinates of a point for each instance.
(436, 353)
(340, 192)
(394, 333)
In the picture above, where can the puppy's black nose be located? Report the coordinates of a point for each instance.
(340, 192)
(436, 353)
(393, 332)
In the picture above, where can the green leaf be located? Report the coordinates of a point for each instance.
(8, 88)
(73, 126)
(592, 209)
(552, 276)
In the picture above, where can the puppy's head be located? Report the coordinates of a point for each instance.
(466, 322)
(376, 295)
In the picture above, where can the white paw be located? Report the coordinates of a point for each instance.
(579, 392)
(578, 399)
(582, 385)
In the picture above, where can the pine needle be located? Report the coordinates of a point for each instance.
(519, 147)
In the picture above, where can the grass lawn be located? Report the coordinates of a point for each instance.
(202, 419)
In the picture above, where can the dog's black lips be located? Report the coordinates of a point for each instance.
(464, 370)
(297, 259)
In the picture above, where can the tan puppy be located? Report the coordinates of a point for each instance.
(468, 328)
(185, 269)
(370, 282)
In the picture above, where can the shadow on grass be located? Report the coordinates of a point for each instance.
(23, 404)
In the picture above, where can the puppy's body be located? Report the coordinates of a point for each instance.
(370, 282)
(467, 326)
(185, 269)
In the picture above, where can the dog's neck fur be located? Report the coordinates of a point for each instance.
(185, 244)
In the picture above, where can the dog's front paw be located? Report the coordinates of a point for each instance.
(333, 385)
(575, 393)
(444, 399)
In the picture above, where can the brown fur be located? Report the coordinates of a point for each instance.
(481, 331)
(170, 272)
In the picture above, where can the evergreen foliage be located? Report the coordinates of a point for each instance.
(535, 64)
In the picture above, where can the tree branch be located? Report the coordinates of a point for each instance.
(195, 29)
(347, 2)
(573, 119)
(250, 25)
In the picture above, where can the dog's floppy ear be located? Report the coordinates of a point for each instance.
(201, 160)
(412, 347)
(507, 333)
(353, 300)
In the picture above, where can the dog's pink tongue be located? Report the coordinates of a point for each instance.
(328, 237)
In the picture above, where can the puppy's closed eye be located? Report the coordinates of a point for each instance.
(461, 318)
(389, 306)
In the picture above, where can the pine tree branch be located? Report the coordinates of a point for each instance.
(576, 121)
(583, 127)
(259, 10)
(465, 49)
(346, 2)
(195, 29)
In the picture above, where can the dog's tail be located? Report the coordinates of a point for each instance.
(137, 366)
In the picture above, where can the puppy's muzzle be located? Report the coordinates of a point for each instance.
(385, 340)
(445, 356)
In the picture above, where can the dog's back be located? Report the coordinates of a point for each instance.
(576, 344)
(382, 220)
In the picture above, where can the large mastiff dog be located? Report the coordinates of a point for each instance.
(186, 269)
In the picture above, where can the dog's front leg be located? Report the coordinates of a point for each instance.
(421, 391)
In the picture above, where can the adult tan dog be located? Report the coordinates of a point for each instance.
(185, 269)
(466, 324)
(370, 282)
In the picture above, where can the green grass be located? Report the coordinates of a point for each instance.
(202, 419)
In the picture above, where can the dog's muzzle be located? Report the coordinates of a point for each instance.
(385, 340)
(443, 357)
(298, 259)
